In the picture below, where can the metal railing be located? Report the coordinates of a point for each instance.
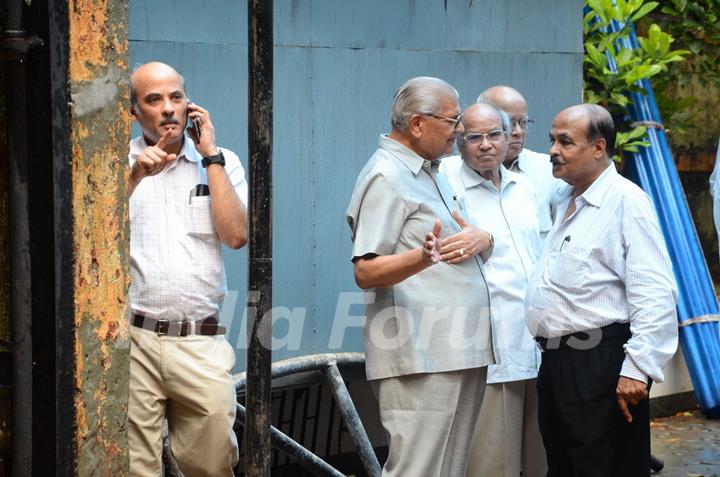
(329, 364)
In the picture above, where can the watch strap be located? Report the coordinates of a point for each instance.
(214, 159)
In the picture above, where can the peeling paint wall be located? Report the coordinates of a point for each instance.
(100, 130)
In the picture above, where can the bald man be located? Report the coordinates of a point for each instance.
(601, 304)
(535, 166)
(187, 197)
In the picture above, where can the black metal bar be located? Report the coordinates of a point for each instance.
(304, 457)
(65, 422)
(259, 356)
(14, 48)
(352, 421)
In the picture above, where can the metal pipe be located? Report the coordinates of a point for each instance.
(352, 421)
(13, 18)
(21, 314)
(259, 356)
(305, 458)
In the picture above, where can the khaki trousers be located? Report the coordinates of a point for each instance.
(429, 421)
(188, 380)
(507, 435)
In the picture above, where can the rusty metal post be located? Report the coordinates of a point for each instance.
(259, 354)
(91, 132)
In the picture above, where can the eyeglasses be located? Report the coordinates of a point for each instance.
(453, 121)
(475, 138)
(523, 123)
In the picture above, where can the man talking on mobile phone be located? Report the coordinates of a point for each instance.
(187, 197)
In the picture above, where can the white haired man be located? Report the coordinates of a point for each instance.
(428, 333)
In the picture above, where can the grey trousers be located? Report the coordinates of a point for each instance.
(429, 420)
(507, 435)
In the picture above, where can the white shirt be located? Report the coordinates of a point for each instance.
(608, 263)
(538, 169)
(438, 319)
(175, 254)
(508, 214)
(715, 191)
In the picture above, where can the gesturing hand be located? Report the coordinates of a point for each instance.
(431, 247)
(465, 244)
(629, 392)
(152, 160)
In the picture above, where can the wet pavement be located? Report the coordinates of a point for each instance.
(688, 443)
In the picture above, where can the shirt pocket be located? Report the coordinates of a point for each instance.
(570, 267)
(198, 219)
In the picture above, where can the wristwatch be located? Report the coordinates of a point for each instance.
(216, 159)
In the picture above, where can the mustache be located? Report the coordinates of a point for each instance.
(556, 160)
(169, 121)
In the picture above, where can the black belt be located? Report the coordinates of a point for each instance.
(587, 339)
(206, 327)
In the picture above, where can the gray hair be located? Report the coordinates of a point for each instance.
(420, 95)
(506, 122)
(601, 126)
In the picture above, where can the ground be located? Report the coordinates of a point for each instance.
(688, 443)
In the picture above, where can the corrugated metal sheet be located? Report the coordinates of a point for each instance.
(337, 65)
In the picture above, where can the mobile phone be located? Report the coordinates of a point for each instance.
(193, 123)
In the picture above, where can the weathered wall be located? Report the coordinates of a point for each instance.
(98, 60)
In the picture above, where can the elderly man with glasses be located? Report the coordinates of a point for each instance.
(507, 437)
(428, 334)
(534, 165)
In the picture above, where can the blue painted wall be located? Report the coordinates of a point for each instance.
(337, 65)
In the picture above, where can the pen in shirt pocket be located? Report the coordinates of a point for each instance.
(458, 203)
(566, 239)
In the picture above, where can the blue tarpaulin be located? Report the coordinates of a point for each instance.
(653, 169)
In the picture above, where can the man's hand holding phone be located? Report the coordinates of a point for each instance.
(202, 131)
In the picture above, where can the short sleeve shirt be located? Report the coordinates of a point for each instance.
(438, 319)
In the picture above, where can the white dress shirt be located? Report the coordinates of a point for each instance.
(604, 264)
(509, 215)
(715, 192)
(538, 169)
(175, 254)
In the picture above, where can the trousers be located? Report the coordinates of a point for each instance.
(188, 380)
(584, 432)
(429, 420)
(507, 437)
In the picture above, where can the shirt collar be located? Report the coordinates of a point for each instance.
(188, 150)
(471, 179)
(596, 192)
(519, 163)
(408, 157)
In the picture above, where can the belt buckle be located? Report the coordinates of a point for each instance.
(162, 327)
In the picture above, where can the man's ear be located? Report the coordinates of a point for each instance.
(600, 148)
(134, 112)
(415, 125)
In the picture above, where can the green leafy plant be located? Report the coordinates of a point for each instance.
(687, 94)
(613, 71)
